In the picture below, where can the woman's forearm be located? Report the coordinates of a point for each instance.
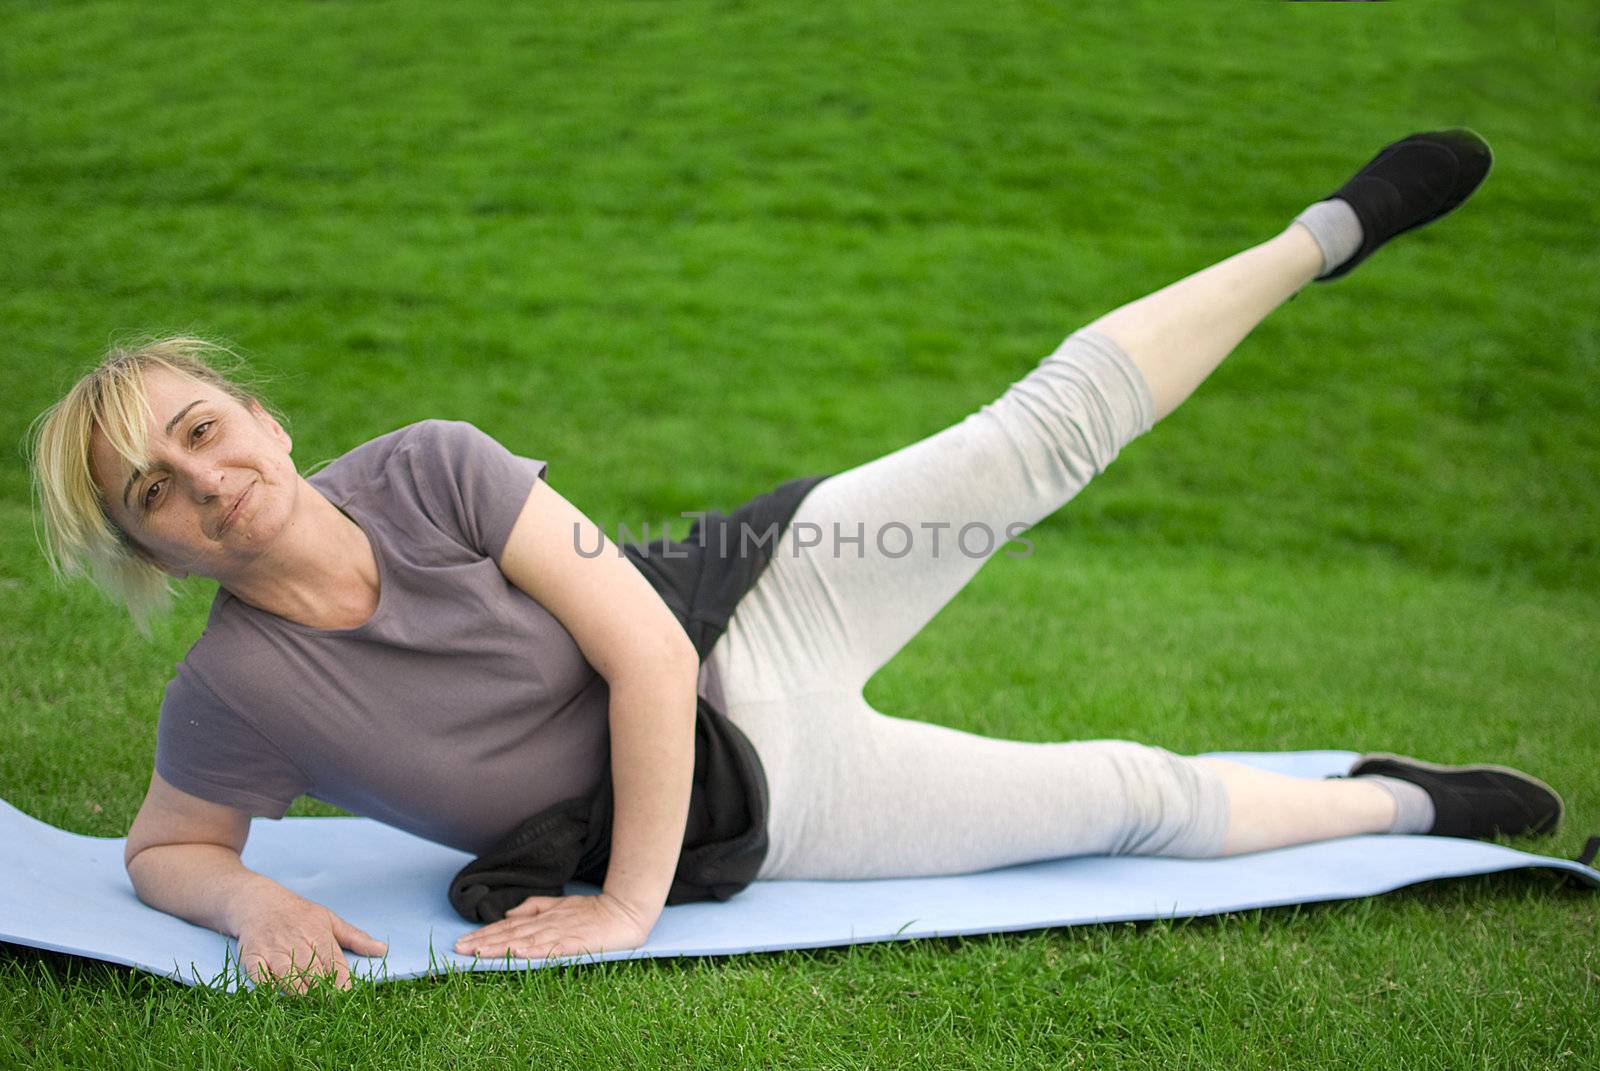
(652, 769)
(203, 883)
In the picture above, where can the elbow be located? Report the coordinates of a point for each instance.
(673, 652)
(133, 872)
(683, 654)
(681, 663)
(667, 660)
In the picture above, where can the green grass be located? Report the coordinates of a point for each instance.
(684, 251)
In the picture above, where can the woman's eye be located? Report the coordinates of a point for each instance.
(198, 428)
(148, 492)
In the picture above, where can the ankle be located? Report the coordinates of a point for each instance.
(1413, 807)
(1334, 229)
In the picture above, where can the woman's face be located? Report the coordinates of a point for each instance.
(220, 486)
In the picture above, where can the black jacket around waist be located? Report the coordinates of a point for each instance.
(702, 578)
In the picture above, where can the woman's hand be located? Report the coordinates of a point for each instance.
(288, 941)
(543, 926)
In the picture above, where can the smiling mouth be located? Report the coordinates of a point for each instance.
(234, 512)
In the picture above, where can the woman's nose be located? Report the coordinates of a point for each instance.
(205, 480)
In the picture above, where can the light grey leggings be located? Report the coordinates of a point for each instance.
(856, 793)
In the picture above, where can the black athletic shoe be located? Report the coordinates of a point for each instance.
(1411, 182)
(1474, 801)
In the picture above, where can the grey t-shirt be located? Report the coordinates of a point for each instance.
(459, 709)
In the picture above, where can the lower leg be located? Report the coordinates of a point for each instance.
(1269, 810)
(1179, 335)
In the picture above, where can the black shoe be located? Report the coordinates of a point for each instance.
(1474, 801)
(1411, 182)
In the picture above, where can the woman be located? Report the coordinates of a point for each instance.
(422, 633)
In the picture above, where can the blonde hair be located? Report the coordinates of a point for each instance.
(78, 535)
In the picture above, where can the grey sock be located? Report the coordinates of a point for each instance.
(1334, 225)
(1413, 805)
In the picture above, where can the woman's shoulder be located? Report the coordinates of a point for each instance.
(211, 745)
(421, 444)
(229, 658)
(435, 479)
(377, 450)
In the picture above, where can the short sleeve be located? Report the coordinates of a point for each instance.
(206, 749)
(476, 486)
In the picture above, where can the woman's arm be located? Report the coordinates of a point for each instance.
(633, 640)
(652, 764)
(182, 857)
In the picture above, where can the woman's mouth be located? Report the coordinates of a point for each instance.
(234, 512)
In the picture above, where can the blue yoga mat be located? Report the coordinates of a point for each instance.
(69, 893)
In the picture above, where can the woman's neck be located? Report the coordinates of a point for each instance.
(322, 573)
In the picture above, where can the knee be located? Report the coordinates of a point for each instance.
(1088, 401)
(1175, 806)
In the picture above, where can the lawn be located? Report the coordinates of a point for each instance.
(684, 251)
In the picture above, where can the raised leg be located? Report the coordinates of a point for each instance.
(1178, 335)
(874, 552)
(859, 794)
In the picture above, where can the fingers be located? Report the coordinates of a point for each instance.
(529, 945)
(256, 969)
(533, 905)
(295, 972)
(545, 926)
(341, 972)
(295, 944)
(357, 940)
(529, 939)
(529, 908)
(494, 936)
(516, 936)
